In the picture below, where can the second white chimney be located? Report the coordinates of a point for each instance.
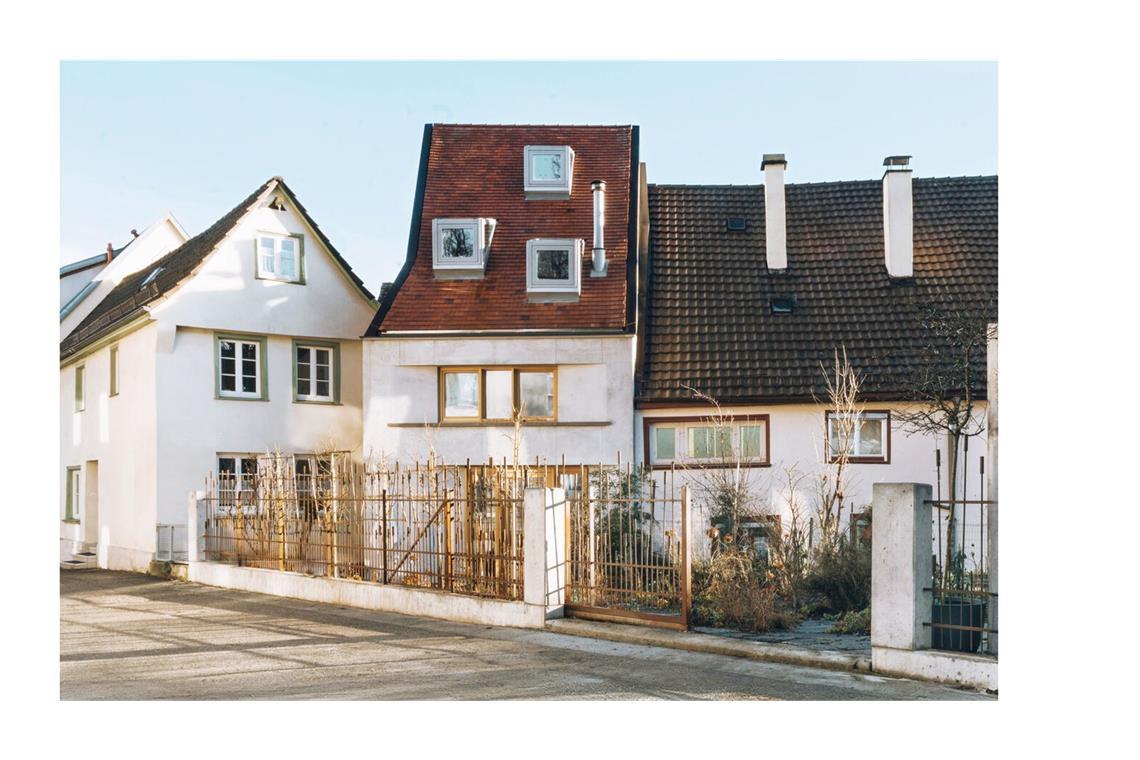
(898, 217)
(775, 221)
(599, 253)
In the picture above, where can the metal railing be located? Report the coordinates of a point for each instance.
(457, 528)
(962, 599)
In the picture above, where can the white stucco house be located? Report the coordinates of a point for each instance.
(518, 295)
(83, 284)
(241, 340)
(752, 290)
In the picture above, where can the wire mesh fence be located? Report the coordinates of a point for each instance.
(457, 528)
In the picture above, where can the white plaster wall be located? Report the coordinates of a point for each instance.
(194, 426)
(595, 385)
(118, 432)
(797, 439)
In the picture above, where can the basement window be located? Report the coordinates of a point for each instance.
(554, 269)
(548, 171)
(737, 223)
(782, 304)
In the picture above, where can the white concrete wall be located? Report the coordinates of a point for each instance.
(797, 439)
(595, 385)
(119, 432)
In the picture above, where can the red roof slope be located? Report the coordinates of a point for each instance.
(477, 171)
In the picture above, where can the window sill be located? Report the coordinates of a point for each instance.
(497, 424)
(707, 465)
(317, 402)
(281, 280)
(219, 397)
(65, 521)
(862, 460)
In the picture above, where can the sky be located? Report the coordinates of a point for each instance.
(139, 139)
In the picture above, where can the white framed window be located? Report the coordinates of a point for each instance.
(460, 247)
(700, 441)
(315, 368)
(240, 367)
(866, 437)
(548, 171)
(280, 257)
(80, 388)
(554, 268)
(237, 476)
(114, 355)
(71, 506)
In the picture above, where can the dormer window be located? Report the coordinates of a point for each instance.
(548, 171)
(554, 269)
(280, 257)
(460, 247)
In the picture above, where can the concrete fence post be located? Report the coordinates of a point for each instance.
(902, 566)
(195, 527)
(544, 547)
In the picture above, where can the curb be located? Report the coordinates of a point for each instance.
(706, 644)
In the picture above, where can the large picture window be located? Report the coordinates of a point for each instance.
(240, 367)
(496, 393)
(864, 437)
(702, 442)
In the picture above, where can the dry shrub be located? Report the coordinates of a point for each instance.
(732, 591)
(853, 622)
(841, 575)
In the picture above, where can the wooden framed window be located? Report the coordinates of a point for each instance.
(700, 441)
(493, 394)
(281, 257)
(316, 371)
(114, 380)
(865, 437)
(71, 505)
(240, 367)
(80, 388)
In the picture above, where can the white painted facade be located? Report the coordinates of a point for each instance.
(797, 439)
(143, 449)
(594, 398)
(153, 243)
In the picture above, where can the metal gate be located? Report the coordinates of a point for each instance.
(628, 553)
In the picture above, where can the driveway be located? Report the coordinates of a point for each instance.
(126, 636)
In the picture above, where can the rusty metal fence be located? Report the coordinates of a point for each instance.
(457, 528)
(628, 554)
(962, 597)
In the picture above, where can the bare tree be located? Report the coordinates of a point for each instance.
(842, 383)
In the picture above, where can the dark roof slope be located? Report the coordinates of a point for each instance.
(129, 298)
(476, 171)
(710, 321)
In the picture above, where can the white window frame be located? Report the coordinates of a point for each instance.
(312, 378)
(482, 231)
(855, 457)
(683, 442)
(113, 358)
(245, 487)
(80, 387)
(541, 188)
(571, 287)
(275, 274)
(258, 360)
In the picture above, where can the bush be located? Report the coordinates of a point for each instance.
(853, 622)
(732, 591)
(841, 575)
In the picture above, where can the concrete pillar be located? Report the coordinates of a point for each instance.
(195, 527)
(902, 566)
(544, 546)
(992, 480)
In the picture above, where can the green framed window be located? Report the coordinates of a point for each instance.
(80, 388)
(240, 367)
(316, 371)
(114, 370)
(71, 506)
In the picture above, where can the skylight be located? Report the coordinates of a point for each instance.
(150, 277)
(737, 223)
(782, 304)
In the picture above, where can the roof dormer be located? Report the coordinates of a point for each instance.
(548, 171)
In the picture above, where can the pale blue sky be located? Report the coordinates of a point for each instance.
(138, 139)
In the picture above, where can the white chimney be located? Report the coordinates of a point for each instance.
(898, 217)
(599, 267)
(775, 223)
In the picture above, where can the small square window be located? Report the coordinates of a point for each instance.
(280, 257)
(548, 171)
(864, 437)
(460, 247)
(554, 268)
(737, 223)
(783, 304)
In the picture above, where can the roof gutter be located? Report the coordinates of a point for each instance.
(553, 333)
(118, 333)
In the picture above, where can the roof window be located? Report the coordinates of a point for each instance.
(737, 223)
(548, 171)
(782, 304)
(460, 247)
(554, 269)
(150, 277)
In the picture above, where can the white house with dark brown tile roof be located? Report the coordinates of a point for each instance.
(753, 289)
(243, 339)
(518, 295)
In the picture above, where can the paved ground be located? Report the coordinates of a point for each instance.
(125, 636)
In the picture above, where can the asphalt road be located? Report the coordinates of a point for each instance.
(126, 636)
